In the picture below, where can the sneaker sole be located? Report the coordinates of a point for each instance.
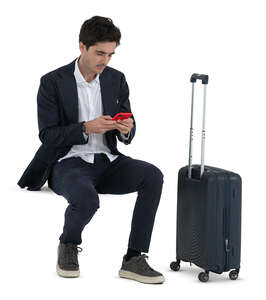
(140, 278)
(66, 273)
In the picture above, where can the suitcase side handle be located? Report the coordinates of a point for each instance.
(204, 78)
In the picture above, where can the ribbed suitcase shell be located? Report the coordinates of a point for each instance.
(209, 218)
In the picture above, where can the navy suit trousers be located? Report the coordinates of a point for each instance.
(80, 182)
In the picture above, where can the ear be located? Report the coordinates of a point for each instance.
(82, 47)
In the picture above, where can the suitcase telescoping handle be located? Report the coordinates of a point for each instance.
(202, 77)
(193, 79)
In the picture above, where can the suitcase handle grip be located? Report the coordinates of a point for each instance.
(202, 77)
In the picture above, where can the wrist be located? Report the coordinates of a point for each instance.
(84, 127)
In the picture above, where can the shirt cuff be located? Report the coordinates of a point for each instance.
(125, 137)
(85, 136)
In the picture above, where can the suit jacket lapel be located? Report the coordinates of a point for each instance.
(107, 93)
(69, 93)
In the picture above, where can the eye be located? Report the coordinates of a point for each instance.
(101, 54)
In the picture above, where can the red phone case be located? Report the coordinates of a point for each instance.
(121, 116)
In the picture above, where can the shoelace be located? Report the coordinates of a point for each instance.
(71, 253)
(145, 264)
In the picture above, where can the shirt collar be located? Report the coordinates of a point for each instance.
(79, 77)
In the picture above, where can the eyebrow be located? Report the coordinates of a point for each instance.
(104, 52)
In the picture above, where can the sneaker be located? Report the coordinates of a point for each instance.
(137, 268)
(67, 260)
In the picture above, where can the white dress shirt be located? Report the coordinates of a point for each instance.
(89, 108)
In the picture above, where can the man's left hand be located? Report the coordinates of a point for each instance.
(124, 126)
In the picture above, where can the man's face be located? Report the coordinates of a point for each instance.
(96, 58)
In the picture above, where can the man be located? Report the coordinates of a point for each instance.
(79, 155)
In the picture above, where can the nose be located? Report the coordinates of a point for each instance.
(106, 60)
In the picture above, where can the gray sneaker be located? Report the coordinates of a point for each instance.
(137, 268)
(67, 261)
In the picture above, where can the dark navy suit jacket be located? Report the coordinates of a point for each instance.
(59, 129)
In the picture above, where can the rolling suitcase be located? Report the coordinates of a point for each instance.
(208, 228)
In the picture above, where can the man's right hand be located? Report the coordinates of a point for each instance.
(100, 125)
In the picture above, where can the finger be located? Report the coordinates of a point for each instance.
(120, 125)
(107, 117)
(109, 122)
(128, 124)
(127, 121)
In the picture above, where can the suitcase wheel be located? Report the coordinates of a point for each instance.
(233, 274)
(204, 276)
(175, 265)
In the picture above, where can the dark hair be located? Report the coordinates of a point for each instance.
(99, 29)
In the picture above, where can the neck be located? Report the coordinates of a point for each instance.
(87, 74)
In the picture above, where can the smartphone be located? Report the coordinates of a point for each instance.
(121, 116)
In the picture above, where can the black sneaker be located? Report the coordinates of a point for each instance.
(67, 260)
(137, 268)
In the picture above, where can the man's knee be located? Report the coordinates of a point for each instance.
(155, 175)
(84, 199)
(88, 208)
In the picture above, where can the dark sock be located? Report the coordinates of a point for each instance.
(131, 253)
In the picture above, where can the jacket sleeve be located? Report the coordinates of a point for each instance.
(125, 107)
(51, 133)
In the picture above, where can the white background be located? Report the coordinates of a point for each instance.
(163, 43)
